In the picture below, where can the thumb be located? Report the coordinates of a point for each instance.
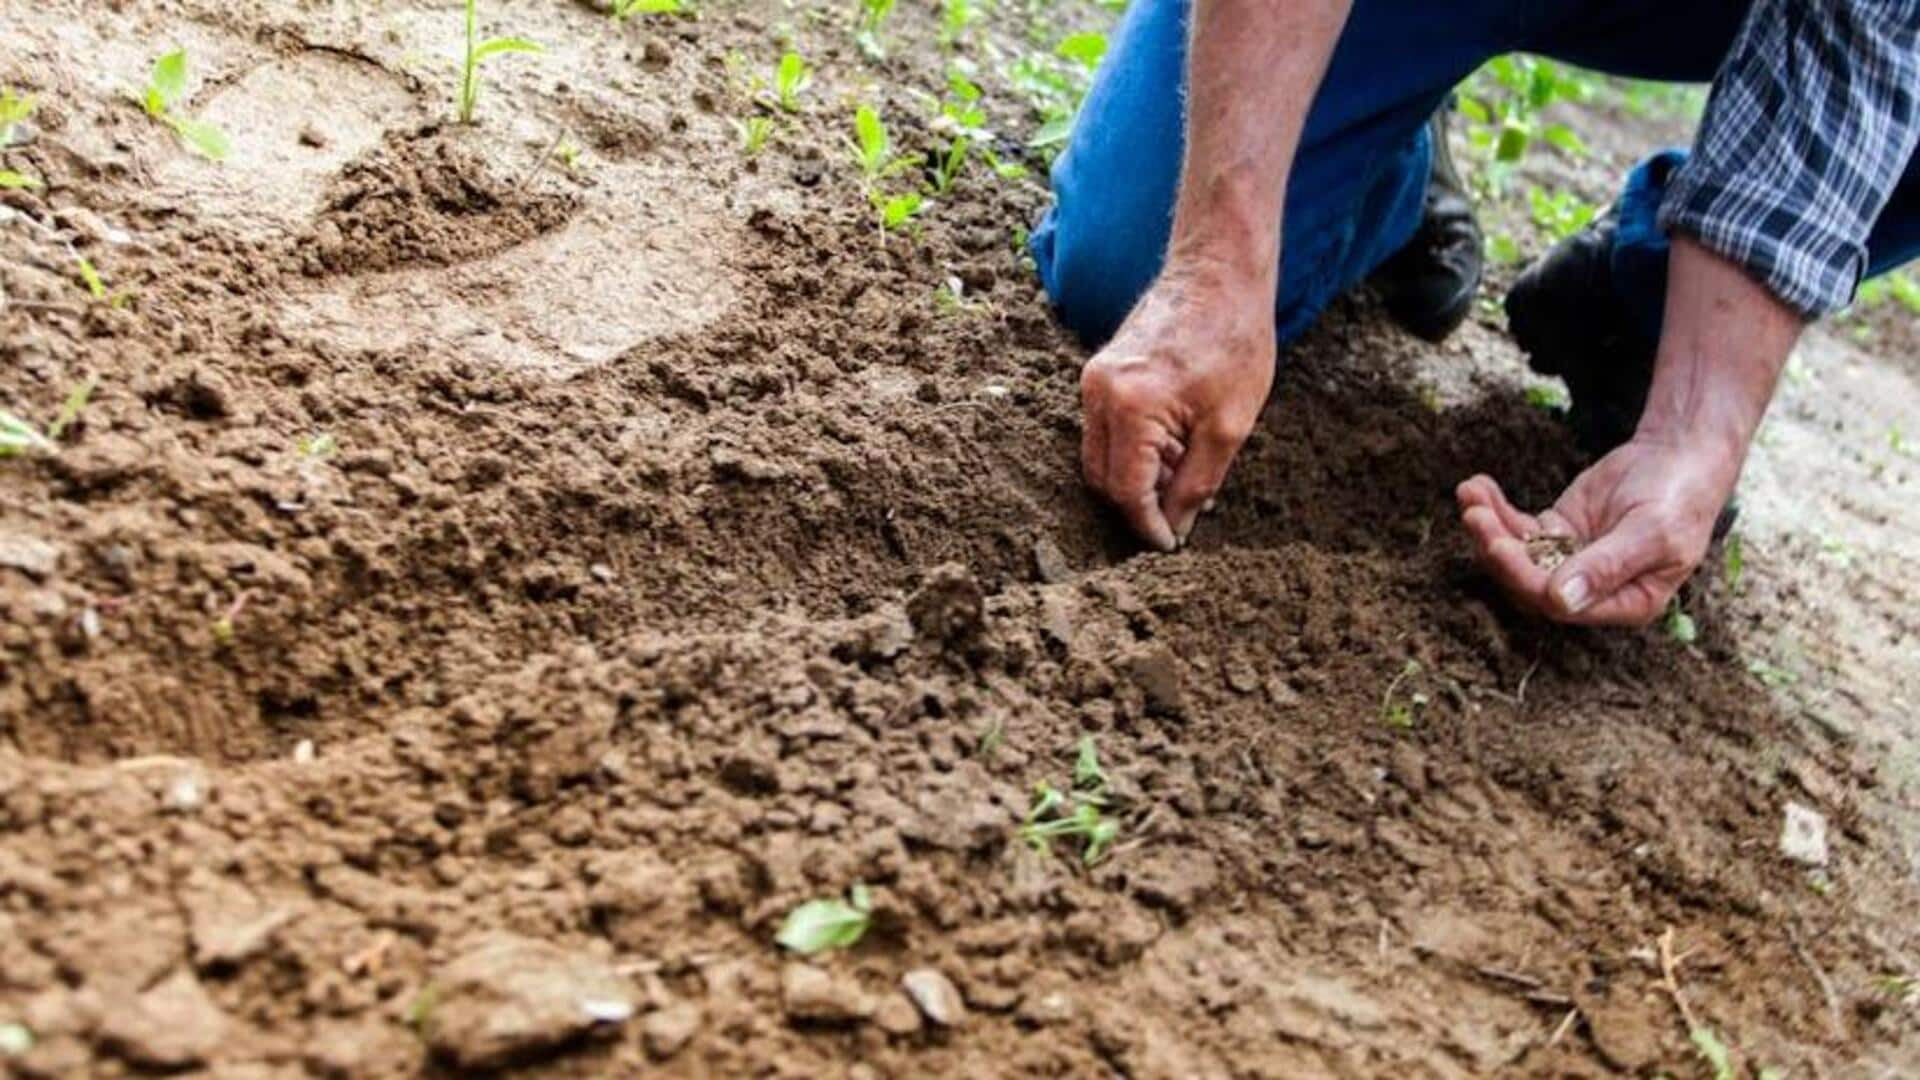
(1199, 475)
(1599, 571)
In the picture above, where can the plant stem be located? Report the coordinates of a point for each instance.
(466, 77)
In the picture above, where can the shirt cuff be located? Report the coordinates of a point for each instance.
(1778, 238)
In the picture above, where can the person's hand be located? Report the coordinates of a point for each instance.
(1640, 519)
(1169, 401)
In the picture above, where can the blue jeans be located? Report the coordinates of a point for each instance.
(1360, 176)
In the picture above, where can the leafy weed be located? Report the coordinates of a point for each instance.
(166, 87)
(819, 925)
(478, 52)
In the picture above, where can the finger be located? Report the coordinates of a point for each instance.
(1199, 475)
(1136, 454)
(1093, 436)
(1602, 572)
(1505, 558)
(1484, 490)
(1640, 602)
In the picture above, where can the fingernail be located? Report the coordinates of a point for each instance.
(1183, 531)
(1576, 594)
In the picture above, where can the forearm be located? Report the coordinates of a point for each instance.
(1253, 68)
(1726, 338)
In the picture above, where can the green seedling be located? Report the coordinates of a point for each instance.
(873, 149)
(1501, 104)
(1679, 625)
(948, 166)
(624, 9)
(956, 19)
(1078, 813)
(1714, 1052)
(19, 437)
(1502, 248)
(166, 86)
(1560, 214)
(1400, 712)
(1735, 561)
(898, 211)
(14, 111)
(1904, 989)
(754, 132)
(1086, 49)
(1772, 676)
(991, 739)
(90, 277)
(1547, 397)
(319, 447)
(873, 16)
(477, 53)
(790, 77)
(72, 407)
(819, 925)
(420, 1010)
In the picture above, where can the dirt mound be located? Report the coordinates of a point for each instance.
(489, 589)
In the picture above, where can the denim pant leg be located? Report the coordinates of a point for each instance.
(1359, 178)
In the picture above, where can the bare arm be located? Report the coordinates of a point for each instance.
(1647, 510)
(1170, 400)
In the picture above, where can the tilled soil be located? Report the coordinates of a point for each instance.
(485, 594)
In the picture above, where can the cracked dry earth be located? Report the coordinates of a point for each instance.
(673, 557)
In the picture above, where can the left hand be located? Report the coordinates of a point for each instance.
(1641, 519)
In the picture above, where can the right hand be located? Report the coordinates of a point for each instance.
(1169, 401)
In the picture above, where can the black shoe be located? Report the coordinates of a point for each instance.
(1429, 284)
(1570, 321)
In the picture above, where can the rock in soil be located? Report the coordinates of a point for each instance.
(896, 1015)
(668, 1030)
(510, 999)
(175, 1025)
(1803, 835)
(813, 995)
(949, 607)
(936, 996)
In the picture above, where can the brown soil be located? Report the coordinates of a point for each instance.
(682, 559)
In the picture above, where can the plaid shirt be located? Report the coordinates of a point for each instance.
(1810, 127)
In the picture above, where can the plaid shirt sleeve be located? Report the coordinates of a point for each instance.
(1809, 128)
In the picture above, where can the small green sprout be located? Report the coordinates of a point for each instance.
(1086, 49)
(1772, 676)
(1055, 814)
(166, 86)
(319, 447)
(14, 111)
(754, 132)
(90, 277)
(19, 437)
(1735, 561)
(17, 181)
(790, 76)
(478, 52)
(819, 925)
(567, 154)
(873, 16)
(898, 211)
(623, 9)
(420, 1010)
(948, 167)
(956, 19)
(1547, 397)
(991, 739)
(1403, 713)
(1714, 1053)
(70, 409)
(1904, 989)
(873, 149)
(1679, 625)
